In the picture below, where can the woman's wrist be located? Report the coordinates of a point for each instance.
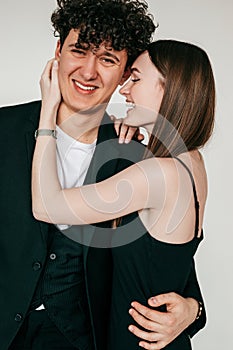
(48, 117)
(46, 123)
(46, 132)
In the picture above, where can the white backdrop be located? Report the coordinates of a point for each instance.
(27, 43)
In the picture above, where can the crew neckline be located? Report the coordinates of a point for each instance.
(70, 142)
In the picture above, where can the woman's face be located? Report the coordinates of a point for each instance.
(144, 92)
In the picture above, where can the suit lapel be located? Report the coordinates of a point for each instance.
(103, 165)
(106, 150)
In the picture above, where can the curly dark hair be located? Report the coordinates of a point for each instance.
(122, 24)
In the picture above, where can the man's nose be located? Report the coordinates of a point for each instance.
(89, 68)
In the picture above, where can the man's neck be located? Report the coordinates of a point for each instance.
(81, 126)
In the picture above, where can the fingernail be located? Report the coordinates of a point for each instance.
(130, 311)
(153, 300)
(127, 141)
(130, 328)
(121, 140)
(132, 304)
(55, 63)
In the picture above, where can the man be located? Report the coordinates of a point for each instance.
(55, 292)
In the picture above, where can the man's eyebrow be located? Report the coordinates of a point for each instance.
(105, 53)
(109, 54)
(76, 46)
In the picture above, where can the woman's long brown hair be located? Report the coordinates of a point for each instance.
(186, 115)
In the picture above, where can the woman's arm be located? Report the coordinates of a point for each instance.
(126, 192)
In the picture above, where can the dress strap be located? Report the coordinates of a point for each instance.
(197, 205)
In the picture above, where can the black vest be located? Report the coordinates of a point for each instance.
(61, 289)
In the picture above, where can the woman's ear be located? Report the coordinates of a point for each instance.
(58, 50)
(125, 76)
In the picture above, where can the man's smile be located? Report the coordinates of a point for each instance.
(86, 88)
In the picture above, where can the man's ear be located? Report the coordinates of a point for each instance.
(58, 50)
(125, 76)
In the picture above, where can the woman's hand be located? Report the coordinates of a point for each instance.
(50, 92)
(126, 132)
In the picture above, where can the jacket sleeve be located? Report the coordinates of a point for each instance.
(192, 290)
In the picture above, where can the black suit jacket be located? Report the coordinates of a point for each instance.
(23, 239)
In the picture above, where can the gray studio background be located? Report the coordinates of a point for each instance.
(27, 43)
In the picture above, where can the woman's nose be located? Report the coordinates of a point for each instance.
(125, 90)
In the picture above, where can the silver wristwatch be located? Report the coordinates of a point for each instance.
(45, 132)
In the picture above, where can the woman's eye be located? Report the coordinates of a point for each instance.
(134, 80)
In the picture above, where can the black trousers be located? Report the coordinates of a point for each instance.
(38, 332)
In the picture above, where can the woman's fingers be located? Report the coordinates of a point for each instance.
(117, 123)
(124, 131)
(49, 85)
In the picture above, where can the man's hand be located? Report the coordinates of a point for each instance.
(162, 327)
(126, 132)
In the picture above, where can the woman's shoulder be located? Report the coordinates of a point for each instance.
(180, 178)
(191, 163)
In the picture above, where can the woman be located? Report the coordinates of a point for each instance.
(172, 95)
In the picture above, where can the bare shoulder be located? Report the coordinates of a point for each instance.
(195, 163)
(172, 170)
(172, 200)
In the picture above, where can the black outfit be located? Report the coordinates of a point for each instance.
(144, 268)
(61, 289)
(39, 332)
(72, 280)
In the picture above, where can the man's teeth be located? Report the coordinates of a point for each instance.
(87, 88)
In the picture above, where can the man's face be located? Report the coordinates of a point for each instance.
(88, 78)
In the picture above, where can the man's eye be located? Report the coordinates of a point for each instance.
(79, 52)
(107, 61)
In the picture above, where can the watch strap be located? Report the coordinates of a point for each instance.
(45, 132)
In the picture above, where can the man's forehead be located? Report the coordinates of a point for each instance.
(105, 45)
(103, 48)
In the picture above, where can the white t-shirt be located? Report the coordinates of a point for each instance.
(73, 160)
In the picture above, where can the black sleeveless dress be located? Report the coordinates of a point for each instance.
(143, 268)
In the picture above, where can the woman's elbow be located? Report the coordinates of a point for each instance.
(41, 215)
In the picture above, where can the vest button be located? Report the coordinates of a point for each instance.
(18, 317)
(36, 266)
(52, 256)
